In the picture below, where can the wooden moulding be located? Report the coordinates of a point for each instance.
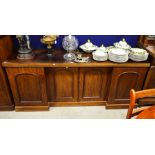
(7, 108)
(117, 106)
(89, 103)
(31, 108)
(93, 64)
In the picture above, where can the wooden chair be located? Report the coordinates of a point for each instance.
(149, 111)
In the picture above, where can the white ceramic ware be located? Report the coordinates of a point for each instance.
(88, 47)
(119, 51)
(100, 55)
(138, 54)
(118, 55)
(102, 48)
(122, 44)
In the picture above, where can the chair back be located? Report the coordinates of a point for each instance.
(138, 95)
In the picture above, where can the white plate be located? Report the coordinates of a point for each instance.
(118, 60)
(118, 51)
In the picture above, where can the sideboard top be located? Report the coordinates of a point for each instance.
(43, 60)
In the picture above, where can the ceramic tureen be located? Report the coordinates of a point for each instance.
(100, 54)
(122, 44)
(88, 47)
(138, 54)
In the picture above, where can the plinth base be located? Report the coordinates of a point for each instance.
(25, 56)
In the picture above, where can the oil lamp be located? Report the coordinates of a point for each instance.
(70, 44)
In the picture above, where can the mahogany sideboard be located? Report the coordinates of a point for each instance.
(6, 50)
(50, 81)
(149, 44)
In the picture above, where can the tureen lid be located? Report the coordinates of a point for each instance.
(89, 44)
(122, 44)
(138, 51)
(102, 48)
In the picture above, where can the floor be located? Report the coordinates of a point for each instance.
(88, 112)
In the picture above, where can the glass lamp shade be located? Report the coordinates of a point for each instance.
(70, 44)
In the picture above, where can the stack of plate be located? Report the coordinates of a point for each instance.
(138, 54)
(118, 55)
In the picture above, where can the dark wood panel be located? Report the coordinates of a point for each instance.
(150, 80)
(6, 102)
(149, 84)
(93, 83)
(123, 80)
(6, 47)
(62, 84)
(28, 86)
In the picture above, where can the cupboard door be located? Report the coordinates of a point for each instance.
(28, 86)
(149, 84)
(62, 84)
(150, 80)
(123, 80)
(93, 85)
(6, 101)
